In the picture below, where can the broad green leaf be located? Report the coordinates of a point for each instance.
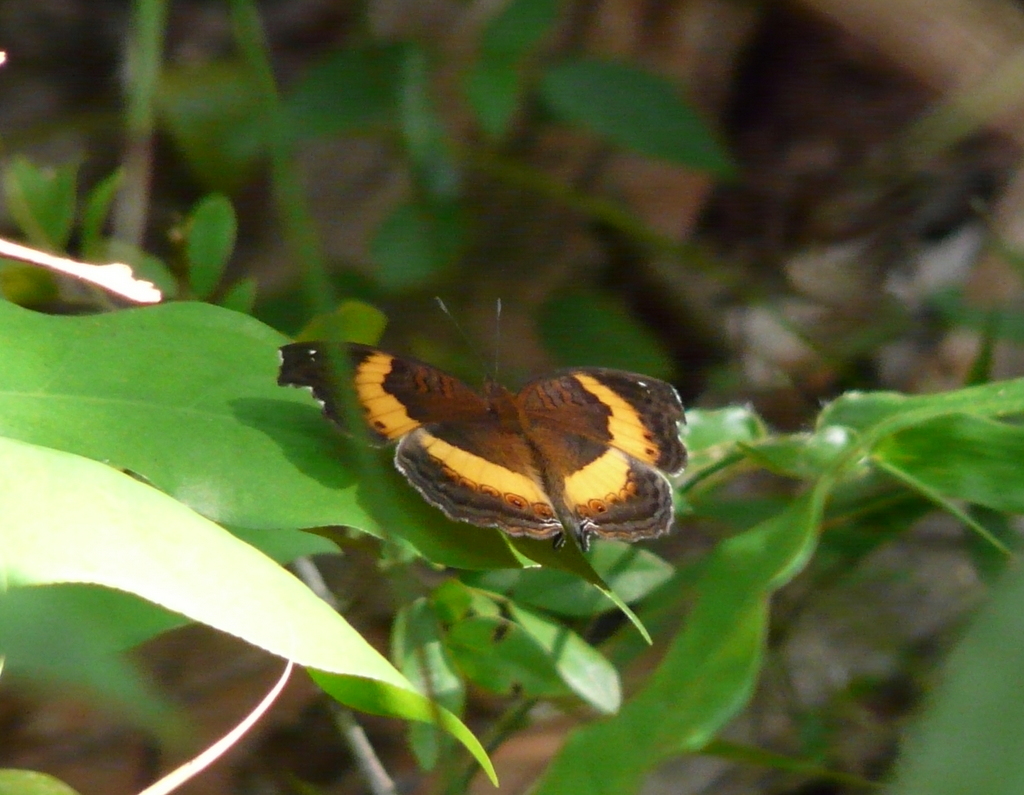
(862, 410)
(284, 545)
(965, 740)
(569, 558)
(635, 109)
(883, 413)
(209, 240)
(709, 671)
(72, 520)
(629, 570)
(962, 458)
(352, 90)
(42, 201)
(591, 328)
(579, 665)
(184, 395)
(416, 244)
(989, 561)
(493, 89)
(29, 782)
(95, 212)
(517, 29)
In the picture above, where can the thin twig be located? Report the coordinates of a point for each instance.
(373, 772)
(370, 766)
(142, 71)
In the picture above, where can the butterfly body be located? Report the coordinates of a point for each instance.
(583, 450)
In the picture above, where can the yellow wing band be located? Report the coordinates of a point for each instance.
(384, 412)
(624, 426)
(604, 481)
(515, 488)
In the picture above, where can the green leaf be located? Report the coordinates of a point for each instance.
(634, 109)
(709, 671)
(214, 116)
(54, 640)
(352, 90)
(29, 782)
(426, 142)
(578, 664)
(42, 201)
(209, 240)
(493, 90)
(416, 244)
(70, 519)
(882, 413)
(94, 215)
(706, 428)
(629, 570)
(352, 321)
(184, 395)
(964, 741)
(518, 28)
(802, 456)
(590, 328)
(500, 656)
(963, 458)
(493, 84)
(569, 558)
(419, 652)
(283, 545)
(241, 296)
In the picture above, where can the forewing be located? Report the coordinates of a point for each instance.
(634, 413)
(397, 395)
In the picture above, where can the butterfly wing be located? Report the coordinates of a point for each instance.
(452, 447)
(606, 437)
(477, 472)
(397, 395)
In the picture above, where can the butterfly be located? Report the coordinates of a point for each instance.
(583, 450)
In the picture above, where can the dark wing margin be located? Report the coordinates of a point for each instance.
(312, 365)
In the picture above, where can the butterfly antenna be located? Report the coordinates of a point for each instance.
(465, 339)
(497, 336)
